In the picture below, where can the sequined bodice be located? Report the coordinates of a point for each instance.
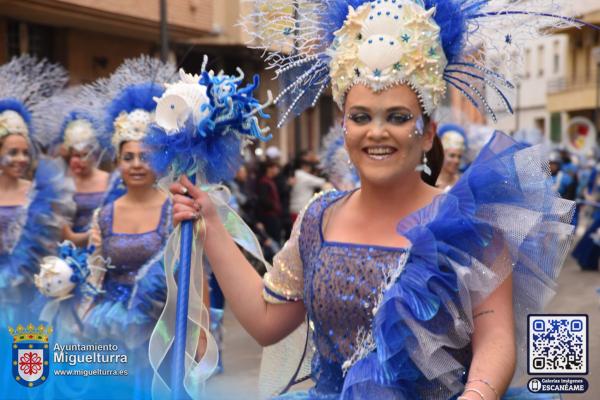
(341, 284)
(86, 204)
(129, 252)
(8, 215)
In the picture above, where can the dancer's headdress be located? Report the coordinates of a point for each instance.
(76, 120)
(26, 83)
(128, 97)
(453, 137)
(425, 44)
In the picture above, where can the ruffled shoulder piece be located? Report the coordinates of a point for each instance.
(49, 205)
(501, 219)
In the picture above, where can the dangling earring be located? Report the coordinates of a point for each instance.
(424, 167)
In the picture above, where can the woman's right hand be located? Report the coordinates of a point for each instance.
(189, 202)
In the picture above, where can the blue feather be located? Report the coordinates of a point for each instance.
(134, 97)
(214, 145)
(17, 106)
(453, 16)
(335, 14)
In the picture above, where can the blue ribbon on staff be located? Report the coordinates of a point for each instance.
(211, 149)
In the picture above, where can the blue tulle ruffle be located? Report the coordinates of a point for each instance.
(128, 312)
(503, 208)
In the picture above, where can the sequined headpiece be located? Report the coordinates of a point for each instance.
(425, 44)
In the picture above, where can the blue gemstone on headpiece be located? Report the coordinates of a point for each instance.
(406, 37)
(388, 13)
(172, 106)
(370, 41)
(396, 17)
(508, 39)
(377, 72)
(371, 17)
(287, 31)
(379, 13)
(432, 52)
(381, 38)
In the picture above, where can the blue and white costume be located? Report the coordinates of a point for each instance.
(29, 231)
(397, 323)
(133, 286)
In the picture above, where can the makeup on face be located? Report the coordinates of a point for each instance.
(363, 116)
(134, 164)
(385, 133)
(15, 156)
(133, 158)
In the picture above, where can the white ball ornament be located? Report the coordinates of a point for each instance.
(54, 279)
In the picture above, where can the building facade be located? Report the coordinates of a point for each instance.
(92, 37)
(553, 68)
(577, 94)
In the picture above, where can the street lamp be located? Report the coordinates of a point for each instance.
(164, 32)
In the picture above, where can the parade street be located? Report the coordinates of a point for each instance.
(576, 295)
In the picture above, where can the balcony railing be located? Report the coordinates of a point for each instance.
(565, 85)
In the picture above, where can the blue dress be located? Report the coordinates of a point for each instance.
(86, 203)
(396, 323)
(134, 292)
(134, 287)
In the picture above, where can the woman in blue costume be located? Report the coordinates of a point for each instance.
(31, 212)
(410, 293)
(132, 230)
(454, 141)
(83, 142)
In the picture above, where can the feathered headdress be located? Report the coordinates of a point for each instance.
(128, 97)
(26, 83)
(76, 120)
(425, 44)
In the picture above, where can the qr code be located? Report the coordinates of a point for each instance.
(558, 344)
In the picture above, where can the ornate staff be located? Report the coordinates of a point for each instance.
(202, 124)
